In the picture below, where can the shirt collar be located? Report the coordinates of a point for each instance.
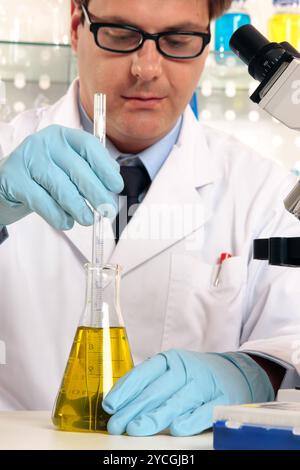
(153, 157)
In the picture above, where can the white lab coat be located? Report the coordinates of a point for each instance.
(168, 295)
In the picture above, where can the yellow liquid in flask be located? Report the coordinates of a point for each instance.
(98, 358)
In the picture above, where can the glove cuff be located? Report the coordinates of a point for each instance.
(257, 379)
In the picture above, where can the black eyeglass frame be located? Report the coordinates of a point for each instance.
(95, 26)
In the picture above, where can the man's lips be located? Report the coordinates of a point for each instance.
(144, 98)
(143, 102)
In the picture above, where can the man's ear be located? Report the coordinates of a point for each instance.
(76, 14)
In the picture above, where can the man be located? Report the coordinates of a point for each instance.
(183, 311)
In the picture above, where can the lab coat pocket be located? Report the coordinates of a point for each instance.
(199, 315)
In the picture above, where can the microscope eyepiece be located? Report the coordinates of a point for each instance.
(261, 55)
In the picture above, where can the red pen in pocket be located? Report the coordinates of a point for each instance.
(223, 257)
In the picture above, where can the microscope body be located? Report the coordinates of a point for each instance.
(280, 97)
(277, 68)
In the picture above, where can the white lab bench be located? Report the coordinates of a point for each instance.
(33, 430)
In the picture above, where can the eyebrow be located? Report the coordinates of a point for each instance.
(185, 26)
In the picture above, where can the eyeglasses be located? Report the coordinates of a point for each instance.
(125, 39)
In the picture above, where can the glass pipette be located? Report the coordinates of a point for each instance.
(98, 313)
(98, 228)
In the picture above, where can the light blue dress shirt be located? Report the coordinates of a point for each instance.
(153, 157)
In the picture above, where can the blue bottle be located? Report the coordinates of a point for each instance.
(227, 24)
(194, 105)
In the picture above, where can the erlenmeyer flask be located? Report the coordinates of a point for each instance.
(99, 356)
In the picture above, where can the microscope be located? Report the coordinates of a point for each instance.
(277, 67)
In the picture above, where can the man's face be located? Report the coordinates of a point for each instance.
(146, 92)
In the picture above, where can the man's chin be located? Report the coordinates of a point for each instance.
(143, 130)
(137, 140)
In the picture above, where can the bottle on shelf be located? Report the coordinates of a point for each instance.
(284, 24)
(227, 24)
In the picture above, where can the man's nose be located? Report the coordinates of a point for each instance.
(147, 62)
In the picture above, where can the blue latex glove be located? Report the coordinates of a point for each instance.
(52, 172)
(179, 389)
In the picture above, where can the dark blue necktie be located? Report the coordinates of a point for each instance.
(136, 182)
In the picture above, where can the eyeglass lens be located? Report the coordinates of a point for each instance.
(123, 40)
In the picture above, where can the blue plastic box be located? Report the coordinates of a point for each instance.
(254, 437)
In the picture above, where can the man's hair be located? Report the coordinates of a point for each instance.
(216, 7)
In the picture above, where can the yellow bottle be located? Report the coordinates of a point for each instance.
(99, 356)
(284, 25)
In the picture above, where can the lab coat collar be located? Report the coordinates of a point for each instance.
(177, 187)
(190, 166)
(64, 112)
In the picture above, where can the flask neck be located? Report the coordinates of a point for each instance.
(102, 301)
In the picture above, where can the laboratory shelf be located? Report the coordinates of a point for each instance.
(27, 61)
(33, 75)
(37, 74)
(225, 71)
(58, 62)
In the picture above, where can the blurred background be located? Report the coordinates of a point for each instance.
(37, 66)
